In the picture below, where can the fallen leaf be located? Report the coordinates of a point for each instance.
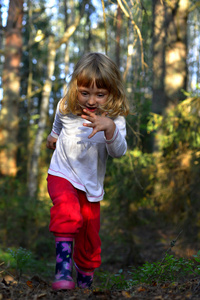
(41, 295)
(8, 280)
(86, 291)
(126, 294)
(30, 284)
(166, 285)
(158, 297)
(141, 289)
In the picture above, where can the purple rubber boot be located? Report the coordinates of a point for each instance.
(63, 276)
(84, 279)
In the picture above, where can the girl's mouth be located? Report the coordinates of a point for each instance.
(92, 109)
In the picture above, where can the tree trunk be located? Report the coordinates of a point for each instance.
(11, 87)
(159, 41)
(118, 35)
(169, 53)
(1, 31)
(53, 46)
(69, 19)
(176, 51)
(105, 26)
(33, 172)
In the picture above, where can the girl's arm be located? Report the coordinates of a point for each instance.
(117, 145)
(56, 129)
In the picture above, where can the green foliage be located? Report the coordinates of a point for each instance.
(137, 123)
(30, 221)
(113, 281)
(197, 257)
(6, 257)
(179, 128)
(22, 258)
(127, 190)
(143, 186)
(177, 138)
(127, 181)
(20, 262)
(168, 270)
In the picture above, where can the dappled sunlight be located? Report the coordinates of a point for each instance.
(175, 73)
(183, 4)
(185, 159)
(8, 152)
(174, 81)
(39, 36)
(15, 85)
(8, 165)
(177, 54)
(14, 62)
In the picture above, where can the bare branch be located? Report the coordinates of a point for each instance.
(123, 8)
(197, 4)
(33, 93)
(71, 29)
(129, 15)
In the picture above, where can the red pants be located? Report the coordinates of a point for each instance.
(73, 216)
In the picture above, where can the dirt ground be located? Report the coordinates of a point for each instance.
(154, 244)
(42, 290)
(37, 288)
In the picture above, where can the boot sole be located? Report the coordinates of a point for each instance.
(63, 285)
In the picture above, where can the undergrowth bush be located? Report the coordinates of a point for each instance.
(167, 270)
(177, 183)
(20, 262)
(22, 258)
(24, 222)
(128, 192)
(140, 187)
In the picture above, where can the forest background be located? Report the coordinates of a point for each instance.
(152, 193)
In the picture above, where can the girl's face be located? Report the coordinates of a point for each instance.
(91, 98)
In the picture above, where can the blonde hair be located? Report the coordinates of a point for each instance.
(99, 69)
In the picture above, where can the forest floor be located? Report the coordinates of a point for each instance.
(152, 249)
(41, 290)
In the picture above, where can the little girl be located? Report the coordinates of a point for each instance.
(89, 125)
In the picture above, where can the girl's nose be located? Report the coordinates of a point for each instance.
(91, 100)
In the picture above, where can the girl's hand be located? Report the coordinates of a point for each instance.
(51, 142)
(99, 123)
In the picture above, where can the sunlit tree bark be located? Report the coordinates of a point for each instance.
(194, 50)
(169, 53)
(11, 87)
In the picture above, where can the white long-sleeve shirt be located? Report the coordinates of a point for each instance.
(80, 160)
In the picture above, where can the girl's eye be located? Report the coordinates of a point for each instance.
(100, 95)
(84, 93)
